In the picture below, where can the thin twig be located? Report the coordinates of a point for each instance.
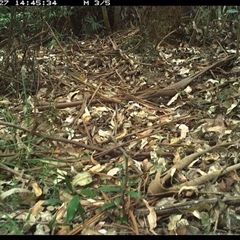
(6, 168)
(157, 46)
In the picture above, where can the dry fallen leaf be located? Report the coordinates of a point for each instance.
(152, 216)
(37, 208)
(37, 190)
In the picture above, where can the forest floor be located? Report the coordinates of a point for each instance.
(110, 144)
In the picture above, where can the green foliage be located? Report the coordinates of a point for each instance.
(51, 201)
(110, 189)
(52, 222)
(92, 25)
(133, 194)
(58, 12)
(73, 207)
(68, 184)
(31, 17)
(88, 192)
(52, 43)
(5, 17)
(30, 20)
(4, 10)
(10, 224)
(114, 203)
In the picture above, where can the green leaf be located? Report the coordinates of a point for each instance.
(109, 189)
(51, 201)
(68, 184)
(123, 220)
(72, 208)
(4, 11)
(51, 223)
(88, 192)
(114, 203)
(81, 211)
(117, 201)
(52, 43)
(108, 205)
(133, 194)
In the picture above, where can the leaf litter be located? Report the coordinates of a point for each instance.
(113, 144)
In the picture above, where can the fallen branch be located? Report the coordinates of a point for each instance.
(210, 176)
(159, 183)
(175, 208)
(62, 105)
(101, 151)
(171, 90)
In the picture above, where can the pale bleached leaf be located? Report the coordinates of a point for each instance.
(152, 216)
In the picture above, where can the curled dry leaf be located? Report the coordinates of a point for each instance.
(189, 191)
(156, 185)
(152, 216)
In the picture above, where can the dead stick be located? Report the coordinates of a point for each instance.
(209, 177)
(174, 88)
